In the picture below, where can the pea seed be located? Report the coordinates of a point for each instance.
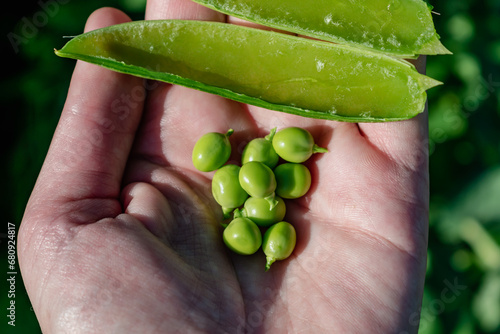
(261, 149)
(278, 242)
(295, 144)
(293, 180)
(257, 179)
(211, 151)
(242, 236)
(261, 212)
(227, 190)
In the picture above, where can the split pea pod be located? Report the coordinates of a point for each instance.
(403, 28)
(275, 71)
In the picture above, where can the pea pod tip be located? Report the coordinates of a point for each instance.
(435, 47)
(428, 82)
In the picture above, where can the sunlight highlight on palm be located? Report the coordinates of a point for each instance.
(121, 233)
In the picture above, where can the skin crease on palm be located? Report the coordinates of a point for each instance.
(121, 234)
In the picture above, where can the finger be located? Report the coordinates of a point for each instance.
(146, 203)
(180, 10)
(406, 141)
(92, 141)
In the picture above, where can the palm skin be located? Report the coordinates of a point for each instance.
(121, 233)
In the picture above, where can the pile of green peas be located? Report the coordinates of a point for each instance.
(251, 195)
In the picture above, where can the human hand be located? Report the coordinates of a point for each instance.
(121, 233)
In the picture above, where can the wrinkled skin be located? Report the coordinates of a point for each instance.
(121, 234)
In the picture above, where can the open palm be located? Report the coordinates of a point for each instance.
(121, 233)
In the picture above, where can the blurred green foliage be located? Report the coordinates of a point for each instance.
(462, 292)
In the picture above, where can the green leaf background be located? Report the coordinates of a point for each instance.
(462, 291)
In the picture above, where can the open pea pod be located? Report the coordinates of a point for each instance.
(267, 69)
(403, 28)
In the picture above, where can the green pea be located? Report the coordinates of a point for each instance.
(261, 212)
(271, 70)
(295, 144)
(257, 179)
(242, 236)
(212, 151)
(227, 190)
(293, 180)
(261, 149)
(278, 242)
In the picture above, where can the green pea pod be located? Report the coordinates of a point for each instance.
(403, 28)
(263, 68)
